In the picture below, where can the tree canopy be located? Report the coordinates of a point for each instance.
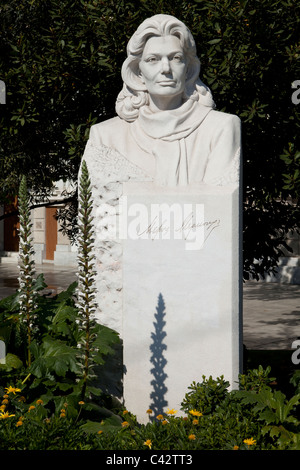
(61, 60)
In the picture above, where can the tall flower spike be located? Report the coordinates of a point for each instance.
(27, 293)
(86, 303)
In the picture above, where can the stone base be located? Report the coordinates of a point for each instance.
(181, 296)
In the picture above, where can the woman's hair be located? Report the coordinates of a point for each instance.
(134, 93)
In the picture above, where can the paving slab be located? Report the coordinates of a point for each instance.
(57, 278)
(271, 315)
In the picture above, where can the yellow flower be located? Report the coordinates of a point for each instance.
(235, 447)
(62, 414)
(100, 432)
(62, 410)
(164, 422)
(195, 421)
(171, 412)
(5, 415)
(125, 424)
(159, 417)
(195, 413)
(125, 412)
(148, 443)
(250, 442)
(2, 407)
(13, 390)
(5, 396)
(81, 403)
(5, 401)
(32, 407)
(192, 437)
(39, 402)
(149, 412)
(19, 423)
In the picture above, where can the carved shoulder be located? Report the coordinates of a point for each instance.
(105, 132)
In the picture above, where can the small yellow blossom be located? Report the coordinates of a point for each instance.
(192, 437)
(2, 407)
(5, 396)
(159, 417)
(171, 412)
(195, 421)
(13, 390)
(62, 410)
(4, 415)
(32, 407)
(125, 412)
(100, 432)
(149, 412)
(19, 423)
(22, 399)
(195, 413)
(5, 401)
(235, 447)
(148, 443)
(164, 422)
(250, 442)
(81, 403)
(62, 414)
(39, 402)
(125, 424)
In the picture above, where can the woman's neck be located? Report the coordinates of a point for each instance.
(165, 103)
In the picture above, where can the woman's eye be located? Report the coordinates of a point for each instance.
(177, 58)
(151, 59)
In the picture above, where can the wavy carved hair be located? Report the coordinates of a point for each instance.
(134, 94)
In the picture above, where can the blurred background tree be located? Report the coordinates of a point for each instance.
(61, 62)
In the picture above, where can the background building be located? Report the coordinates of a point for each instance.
(50, 244)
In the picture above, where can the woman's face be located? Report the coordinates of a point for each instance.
(163, 68)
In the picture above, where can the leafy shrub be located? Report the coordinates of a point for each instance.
(54, 374)
(260, 419)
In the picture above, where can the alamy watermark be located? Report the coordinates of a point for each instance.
(2, 92)
(296, 94)
(138, 221)
(2, 352)
(296, 354)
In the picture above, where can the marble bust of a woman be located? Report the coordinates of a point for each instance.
(166, 124)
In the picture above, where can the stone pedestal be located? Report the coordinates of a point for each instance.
(181, 277)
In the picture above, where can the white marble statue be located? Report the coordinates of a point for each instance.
(167, 128)
(166, 134)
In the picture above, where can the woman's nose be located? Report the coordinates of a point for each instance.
(165, 65)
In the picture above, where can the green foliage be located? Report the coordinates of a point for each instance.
(256, 379)
(55, 373)
(276, 414)
(62, 343)
(62, 83)
(256, 419)
(205, 396)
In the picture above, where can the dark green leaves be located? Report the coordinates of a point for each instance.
(53, 356)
